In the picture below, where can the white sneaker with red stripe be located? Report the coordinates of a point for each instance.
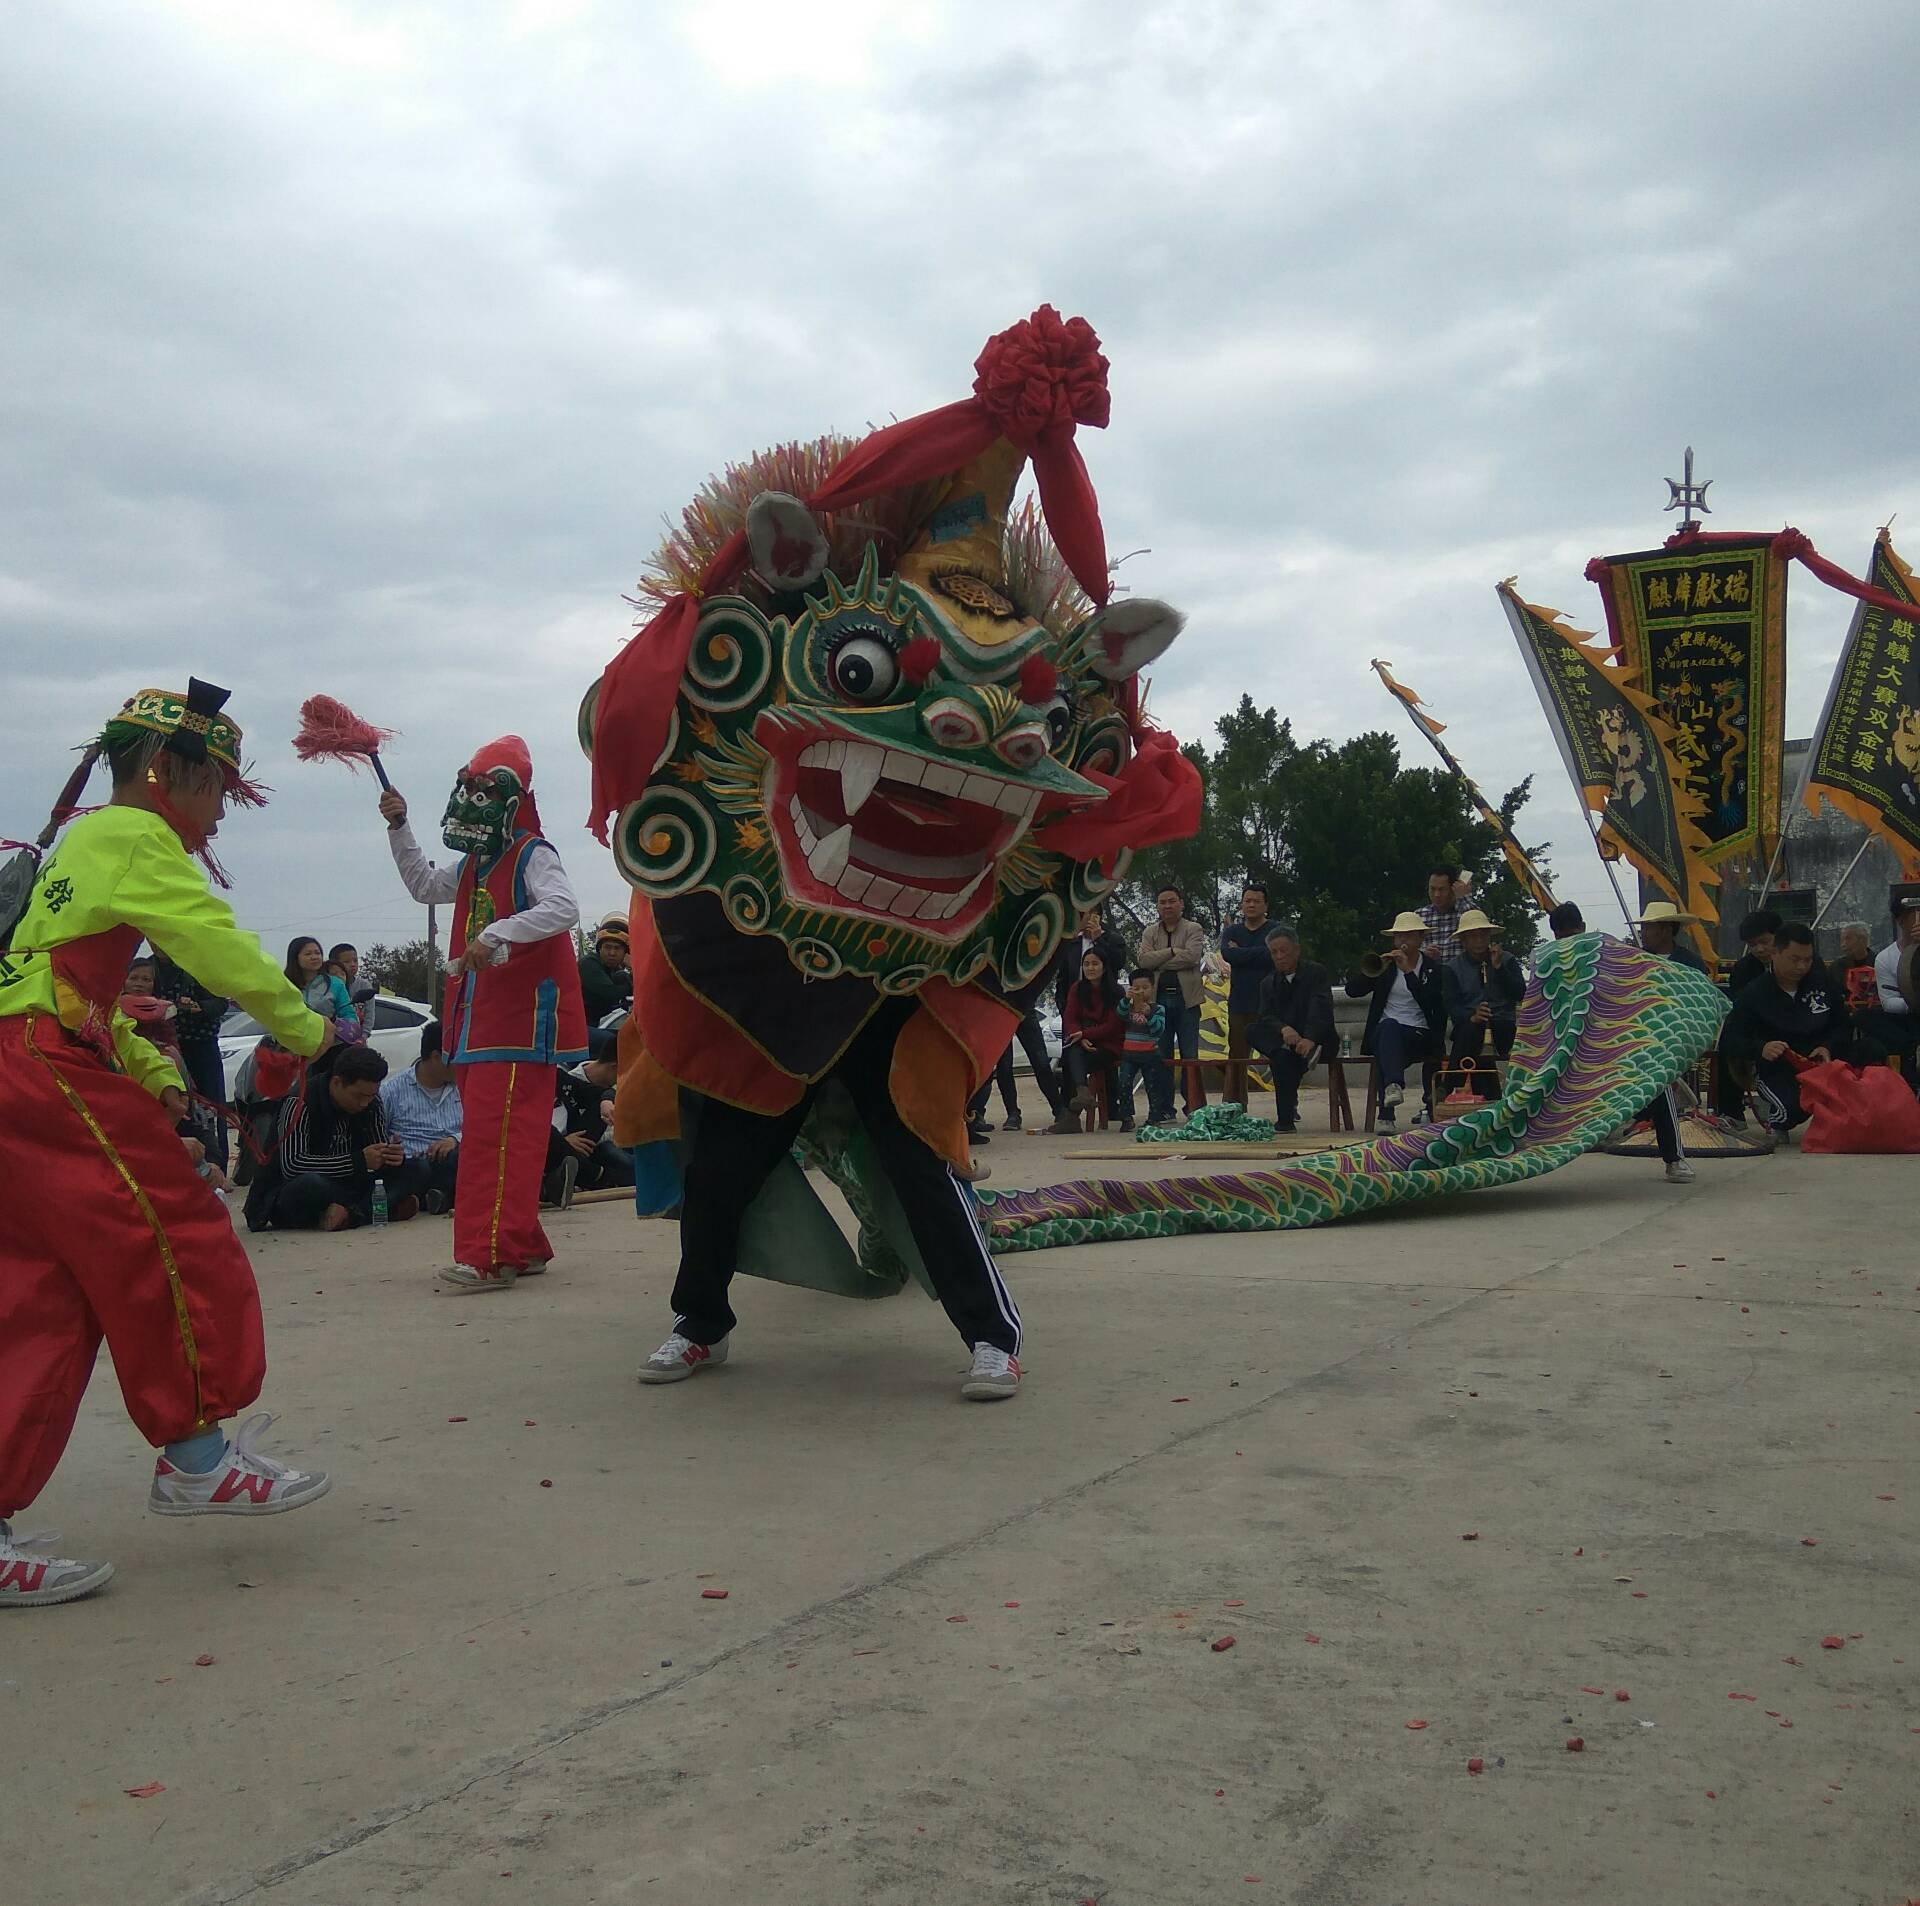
(475, 1277)
(679, 1357)
(242, 1483)
(28, 1580)
(995, 1374)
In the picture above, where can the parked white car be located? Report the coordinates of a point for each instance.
(395, 1034)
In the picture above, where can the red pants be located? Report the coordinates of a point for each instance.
(506, 1112)
(106, 1228)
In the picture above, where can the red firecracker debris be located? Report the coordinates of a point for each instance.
(1743, 1697)
(1473, 1537)
(1576, 1745)
(1772, 1713)
(1580, 1551)
(1711, 1795)
(1009, 1604)
(1233, 1604)
(1414, 1727)
(1476, 1765)
(529, 1423)
(456, 1419)
(143, 1793)
(1743, 1310)
(1221, 1646)
(1620, 1694)
(1584, 1689)
(1314, 1639)
(1183, 1399)
(1884, 1498)
(950, 1617)
(1833, 1641)
(546, 1482)
(713, 1594)
(203, 1661)
(1809, 1541)
(1219, 1793)
(1786, 1723)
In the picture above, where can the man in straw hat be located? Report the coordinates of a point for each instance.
(106, 1229)
(1481, 987)
(1404, 1013)
(1660, 928)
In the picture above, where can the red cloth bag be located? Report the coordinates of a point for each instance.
(1858, 1109)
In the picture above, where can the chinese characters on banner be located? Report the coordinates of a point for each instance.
(1865, 757)
(1616, 749)
(1704, 629)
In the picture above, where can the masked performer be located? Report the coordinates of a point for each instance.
(105, 1228)
(879, 747)
(513, 1011)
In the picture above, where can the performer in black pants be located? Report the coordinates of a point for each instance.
(729, 1153)
(1033, 1043)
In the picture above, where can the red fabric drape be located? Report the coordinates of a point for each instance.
(1033, 384)
(1156, 797)
(1790, 546)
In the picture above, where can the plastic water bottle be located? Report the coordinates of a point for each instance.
(379, 1201)
(1346, 1045)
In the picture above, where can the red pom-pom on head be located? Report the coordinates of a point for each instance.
(331, 731)
(919, 659)
(1038, 681)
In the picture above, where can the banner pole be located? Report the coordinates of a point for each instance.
(1866, 842)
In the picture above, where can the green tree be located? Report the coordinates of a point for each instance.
(408, 969)
(1342, 837)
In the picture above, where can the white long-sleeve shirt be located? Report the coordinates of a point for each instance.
(551, 906)
(1886, 974)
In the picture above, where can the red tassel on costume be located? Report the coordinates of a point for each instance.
(331, 731)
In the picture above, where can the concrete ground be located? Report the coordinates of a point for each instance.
(1592, 1459)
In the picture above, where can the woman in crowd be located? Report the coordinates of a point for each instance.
(332, 1145)
(322, 988)
(1091, 1035)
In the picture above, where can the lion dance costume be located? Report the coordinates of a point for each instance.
(509, 1024)
(106, 1228)
(880, 742)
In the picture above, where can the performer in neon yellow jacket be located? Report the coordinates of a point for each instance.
(106, 1228)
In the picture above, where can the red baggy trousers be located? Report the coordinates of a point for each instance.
(105, 1227)
(506, 1112)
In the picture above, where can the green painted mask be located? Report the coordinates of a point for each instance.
(480, 812)
(859, 764)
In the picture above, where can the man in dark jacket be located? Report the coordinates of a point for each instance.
(1480, 987)
(580, 1149)
(1793, 1009)
(1404, 1014)
(1756, 939)
(1294, 1022)
(606, 983)
(197, 1017)
(1244, 948)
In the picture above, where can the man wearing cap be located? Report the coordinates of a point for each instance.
(105, 1227)
(513, 1012)
(1404, 1013)
(1481, 986)
(606, 981)
(1660, 928)
(1893, 1028)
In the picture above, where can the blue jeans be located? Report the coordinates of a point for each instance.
(1159, 1089)
(1396, 1046)
(1183, 1025)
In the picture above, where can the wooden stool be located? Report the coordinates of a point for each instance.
(1193, 1081)
(1094, 1119)
(1339, 1106)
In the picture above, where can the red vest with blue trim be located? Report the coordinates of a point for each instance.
(526, 1006)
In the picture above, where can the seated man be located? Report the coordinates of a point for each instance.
(581, 1153)
(1660, 928)
(1792, 1009)
(422, 1107)
(1755, 961)
(1481, 986)
(1294, 1023)
(1891, 1027)
(606, 980)
(1404, 1013)
(332, 1147)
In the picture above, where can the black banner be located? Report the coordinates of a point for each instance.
(1865, 757)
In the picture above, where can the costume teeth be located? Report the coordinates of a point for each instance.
(859, 775)
(828, 860)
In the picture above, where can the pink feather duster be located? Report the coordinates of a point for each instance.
(331, 731)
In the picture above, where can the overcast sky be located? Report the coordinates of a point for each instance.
(363, 348)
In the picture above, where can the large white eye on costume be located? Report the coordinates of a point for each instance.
(1059, 720)
(863, 669)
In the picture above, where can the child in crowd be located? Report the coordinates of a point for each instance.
(153, 1018)
(1140, 1055)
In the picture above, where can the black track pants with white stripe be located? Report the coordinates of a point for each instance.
(730, 1152)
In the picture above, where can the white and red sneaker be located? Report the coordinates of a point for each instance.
(994, 1376)
(242, 1483)
(679, 1357)
(473, 1277)
(28, 1580)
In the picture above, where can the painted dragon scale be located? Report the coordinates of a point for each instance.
(1603, 1028)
